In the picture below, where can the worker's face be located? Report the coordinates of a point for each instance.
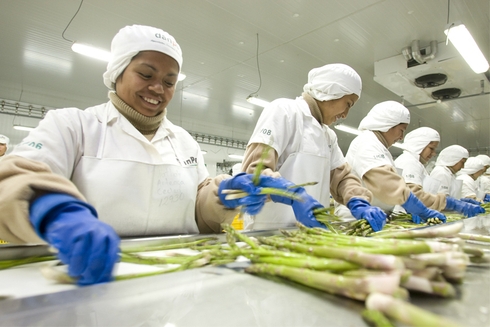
(3, 149)
(429, 152)
(457, 167)
(148, 83)
(478, 174)
(333, 110)
(395, 134)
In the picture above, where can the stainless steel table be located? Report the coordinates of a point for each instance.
(225, 296)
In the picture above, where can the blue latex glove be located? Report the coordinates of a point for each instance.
(470, 200)
(88, 246)
(420, 213)
(486, 198)
(303, 210)
(361, 209)
(253, 203)
(467, 209)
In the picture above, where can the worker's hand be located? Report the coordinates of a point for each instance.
(486, 198)
(467, 209)
(254, 201)
(88, 246)
(470, 200)
(361, 209)
(420, 213)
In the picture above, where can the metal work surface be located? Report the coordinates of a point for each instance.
(222, 296)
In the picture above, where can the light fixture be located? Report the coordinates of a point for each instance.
(256, 101)
(203, 152)
(90, 51)
(23, 128)
(236, 156)
(347, 129)
(462, 40)
(181, 77)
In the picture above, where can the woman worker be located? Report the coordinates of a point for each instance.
(372, 162)
(484, 180)
(450, 161)
(419, 147)
(473, 168)
(122, 161)
(304, 149)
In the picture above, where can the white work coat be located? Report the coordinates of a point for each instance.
(414, 172)
(307, 152)
(469, 187)
(365, 153)
(448, 182)
(137, 186)
(484, 184)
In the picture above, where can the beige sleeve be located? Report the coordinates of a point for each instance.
(386, 185)
(253, 155)
(21, 181)
(210, 212)
(344, 185)
(433, 201)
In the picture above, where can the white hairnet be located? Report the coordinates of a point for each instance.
(451, 155)
(130, 40)
(332, 82)
(4, 140)
(471, 166)
(484, 158)
(419, 138)
(384, 116)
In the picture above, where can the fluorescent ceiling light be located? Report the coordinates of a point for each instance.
(181, 77)
(23, 128)
(91, 51)
(204, 152)
(236, 156)
(347, 129)
(462, 40)
(256, 101)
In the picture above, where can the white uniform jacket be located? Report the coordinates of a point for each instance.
(448, 183)
(139, 187)
(469, 187)
(484, 184)
(414, 172)
(307, 152)
(365, 153)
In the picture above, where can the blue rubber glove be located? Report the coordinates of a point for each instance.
(361, 209)
(303, 209)
(486, 198)
(253, 203)
(88, 246)
(467, 209)
(420, 213)
(470, 200)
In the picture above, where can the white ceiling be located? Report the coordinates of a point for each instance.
(219, 43)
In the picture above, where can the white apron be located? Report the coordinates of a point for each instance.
(455, 190)
(279, 215)
(144, 199)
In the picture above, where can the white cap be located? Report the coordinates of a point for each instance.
(131, 40)
(332, 82)
(384, 116)
(471, 166)
(4, 139)
(419, 138)
(451, 155)
(484, 158)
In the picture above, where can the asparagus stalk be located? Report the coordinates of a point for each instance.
(376, 318)
(368, 260)
(416, 283)
(475, 237)
(405, 312)
(4, 264)
(244, 238)
(309, 262)
(445, 230)
(168, 246)
(352, 287)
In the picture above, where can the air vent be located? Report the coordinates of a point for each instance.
(445, 94)
(431, 80)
